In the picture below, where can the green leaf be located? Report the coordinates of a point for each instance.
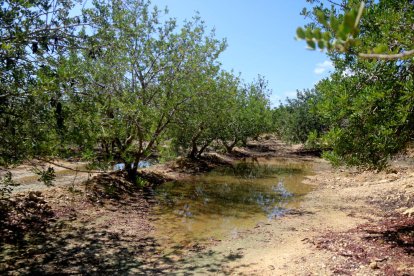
(321, 44)
(382, 48)
(326, 36)
(309, 33)
(334, 23)
(6, 46)
(349, 19)
(320, 15)
(317, 34)
(300, 33)
(357, 42)
(329, 46)
(343, 32)
(311, 44)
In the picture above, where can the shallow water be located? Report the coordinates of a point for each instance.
(141, 164)
(225, 202)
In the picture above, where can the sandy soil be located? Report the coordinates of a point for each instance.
(64, 171)
(351, 224)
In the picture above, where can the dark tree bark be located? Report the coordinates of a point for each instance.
(203, 148)
(132, 171)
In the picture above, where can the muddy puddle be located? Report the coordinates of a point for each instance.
(227, 201)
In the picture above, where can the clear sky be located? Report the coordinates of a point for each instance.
(260, 36)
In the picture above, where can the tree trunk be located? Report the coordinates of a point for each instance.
(203, 148)
(194, 150)
(105, 149)
(230, 147)
(132, 171)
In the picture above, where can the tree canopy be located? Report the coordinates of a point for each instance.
(366, 105)
(115, 83)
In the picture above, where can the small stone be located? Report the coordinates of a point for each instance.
(38, 260)
(373, 265)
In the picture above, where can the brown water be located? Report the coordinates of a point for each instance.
(225, 202)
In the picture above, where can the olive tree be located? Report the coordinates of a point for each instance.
(137, 73)
(250, 114)
(206, 116)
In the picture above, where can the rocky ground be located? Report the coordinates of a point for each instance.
(353, 223)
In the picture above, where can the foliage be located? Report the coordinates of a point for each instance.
(248, 116)
(46, 176)
(31, 34)
(297, 118)
(204, 117)
(228, 111)
(375, 118)
(115, 83)
(166, 151)
(6, 185)
(368, 106)
(340, 30)
(135, 86)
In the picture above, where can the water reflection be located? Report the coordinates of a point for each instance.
(226, 201)
(141, 164)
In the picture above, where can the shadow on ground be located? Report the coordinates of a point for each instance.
(386, 245)
(79, 247)
(67, 250)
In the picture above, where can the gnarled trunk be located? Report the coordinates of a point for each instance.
(230, 147)
(203, 148)
(194, 150)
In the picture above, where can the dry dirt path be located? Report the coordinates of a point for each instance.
(66, 175)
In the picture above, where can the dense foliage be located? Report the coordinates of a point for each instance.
(115, 83)
(296, 119)
(366, 105)
(32, 33)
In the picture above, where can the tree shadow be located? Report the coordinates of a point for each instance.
(397, 231)
(81, 249)
(90, 245)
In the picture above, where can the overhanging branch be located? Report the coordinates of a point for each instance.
(402, 55)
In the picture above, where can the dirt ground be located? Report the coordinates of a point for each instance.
(351, 224)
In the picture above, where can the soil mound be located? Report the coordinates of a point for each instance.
(23, 215)
(110, 186)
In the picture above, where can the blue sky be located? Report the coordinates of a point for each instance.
(260, 36)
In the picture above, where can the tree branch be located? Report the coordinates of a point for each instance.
(66, 167)
(402, 55)
(336, 4)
